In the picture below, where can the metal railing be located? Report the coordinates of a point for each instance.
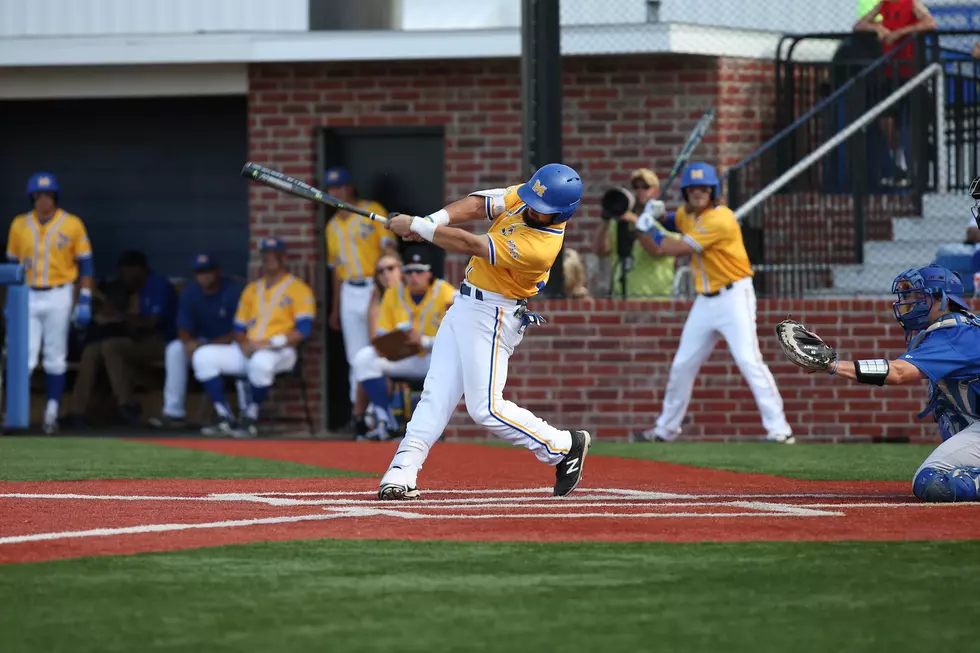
(800, 232)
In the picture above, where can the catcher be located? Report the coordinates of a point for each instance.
(407, 324)
(943, 339)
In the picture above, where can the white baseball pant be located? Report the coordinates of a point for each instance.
(49, 315)
(730, 315)
(960, 450)
(354, 304)
(211, 361)
(175, 384)
(470, 359)
(369, 365)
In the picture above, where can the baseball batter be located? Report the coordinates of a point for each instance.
(354, 245)
(475, 340)
(724, 308)
(943, 339)
(55, 251)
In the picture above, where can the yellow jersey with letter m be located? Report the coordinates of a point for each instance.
(49, 252)
(266, 311)
(719, 253)
(520, 256)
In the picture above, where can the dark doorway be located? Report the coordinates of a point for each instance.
(403, 169)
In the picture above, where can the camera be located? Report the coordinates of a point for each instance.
(616, 201)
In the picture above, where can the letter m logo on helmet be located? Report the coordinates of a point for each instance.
(697, 174)
(553, 189)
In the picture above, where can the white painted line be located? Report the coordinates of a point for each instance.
(579, 515)
(102, 497)
(163, 528)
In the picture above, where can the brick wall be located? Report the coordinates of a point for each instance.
(600, 365)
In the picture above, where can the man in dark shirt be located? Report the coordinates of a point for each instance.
(205, 315)
(141, 328)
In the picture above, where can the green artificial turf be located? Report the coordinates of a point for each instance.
(389, 596)
(76, 459)
(821, 462)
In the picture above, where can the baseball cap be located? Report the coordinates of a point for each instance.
(272, 245)
(417, 259)
(647, 175)
(205, 263)
(336, 176)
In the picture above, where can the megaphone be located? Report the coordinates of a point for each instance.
(616, 201)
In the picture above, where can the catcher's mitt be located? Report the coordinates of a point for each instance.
(394, 346)
(804, 347)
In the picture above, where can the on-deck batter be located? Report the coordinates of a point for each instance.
(55, 251)
(724, 308)
(475, 340)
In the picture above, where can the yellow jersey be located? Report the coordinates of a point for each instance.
(400, 312)
(355, 243)
(49, 252)
(719, 256)
(520, 256)
(267, 311)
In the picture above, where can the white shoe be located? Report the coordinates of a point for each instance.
(781, 438)
(50, 427)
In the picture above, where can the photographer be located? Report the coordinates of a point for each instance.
(635, 273)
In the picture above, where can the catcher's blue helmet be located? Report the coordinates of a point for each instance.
(554, 188)
(918, 291)
(700, 174)
(42, 182)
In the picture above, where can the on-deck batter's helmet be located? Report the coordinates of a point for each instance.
(700, 174)
(42, 182)
(918, 291)
(554, 188)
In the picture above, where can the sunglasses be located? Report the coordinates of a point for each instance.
(414, 271)
(387, 268)
(641, 186)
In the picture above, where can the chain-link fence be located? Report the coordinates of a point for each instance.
(785, 76)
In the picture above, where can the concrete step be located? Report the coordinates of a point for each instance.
(938, 204)
(868, 279)
(902, 254)
(951, 228)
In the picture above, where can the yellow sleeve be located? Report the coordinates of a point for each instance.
(524, 251)
(716, 229)
(387, 321)
(333, 245)
(245, 312)
(385, 238)
(81, 244)
(13, 242)
(447, 294)
(304, 304)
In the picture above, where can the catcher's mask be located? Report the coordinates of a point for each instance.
(919, 290)
(975, 194)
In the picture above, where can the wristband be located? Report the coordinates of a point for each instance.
(278, 341)
(833, 368)
(427, 342)
(424, 228)
(440, 217)
(659, 236)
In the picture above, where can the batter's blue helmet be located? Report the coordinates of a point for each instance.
(554, 188)
(42, 182)
(918, 291)
(700, 174)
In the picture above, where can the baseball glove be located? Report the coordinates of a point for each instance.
(394, 346)
(804, 347)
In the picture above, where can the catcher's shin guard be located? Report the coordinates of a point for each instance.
(958, 484)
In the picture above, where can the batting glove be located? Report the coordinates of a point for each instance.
(83, 310)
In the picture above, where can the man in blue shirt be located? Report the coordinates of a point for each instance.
(943, 339)
(137, 324)
(205, 315)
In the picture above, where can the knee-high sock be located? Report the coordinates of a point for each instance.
(258, 396)
(377, 392)
(216, 391)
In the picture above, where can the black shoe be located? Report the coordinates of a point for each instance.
(130, 415)
(392, 492)
(247, 428)
(647, 436)
(167, 422)
(569, 472)
(359, 426)
(221, 429)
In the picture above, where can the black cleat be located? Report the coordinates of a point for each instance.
(569, 472)
(393, 492)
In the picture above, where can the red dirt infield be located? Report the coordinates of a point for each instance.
(470, 492)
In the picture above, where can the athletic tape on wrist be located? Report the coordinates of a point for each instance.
(872, 372)
(424, 228)
(427, 342)
(440, 217)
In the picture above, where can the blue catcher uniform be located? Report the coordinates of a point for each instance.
(947, 351)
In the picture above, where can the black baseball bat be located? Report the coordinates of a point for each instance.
(697, 134)
(279, 181)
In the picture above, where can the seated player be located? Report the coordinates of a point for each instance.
(944, 347)
(275, 314)
(415, 306)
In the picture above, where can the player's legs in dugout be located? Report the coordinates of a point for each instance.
(738, 326)
(354, 301)
(952, 471)
(698, 339)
